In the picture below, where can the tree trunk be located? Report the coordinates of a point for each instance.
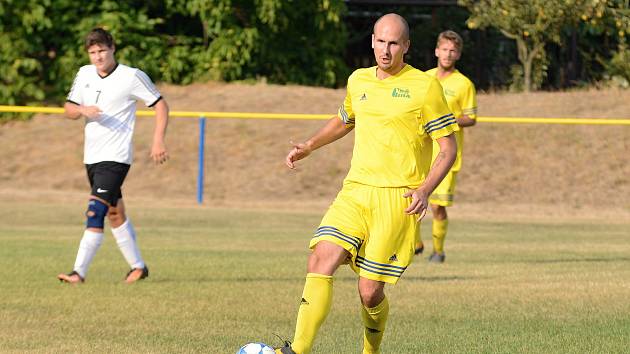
(527, 74)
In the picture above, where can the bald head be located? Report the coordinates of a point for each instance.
(393, 19)
(390, 42)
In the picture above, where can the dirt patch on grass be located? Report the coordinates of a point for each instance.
(557, 167)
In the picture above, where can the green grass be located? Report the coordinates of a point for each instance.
(222, 278)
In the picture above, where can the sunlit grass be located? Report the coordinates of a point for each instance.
(222, 278)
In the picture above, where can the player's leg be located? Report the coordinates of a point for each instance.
(419, 246)
(374, 313)
(90, 242)
(383, 258)
(125, 236)
(107, 185)
(93, 235)
(335, 242)
(317, 293)
(439, 228)
(441, 198)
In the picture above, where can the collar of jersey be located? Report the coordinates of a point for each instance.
(445, 78)
(405, 68)
(111, 72)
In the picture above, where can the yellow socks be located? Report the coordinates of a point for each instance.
(439, 234)
(419, 247)
(374, 320)
(316, 302)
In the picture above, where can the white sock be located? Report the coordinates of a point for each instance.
(90, 243)
(126, 240)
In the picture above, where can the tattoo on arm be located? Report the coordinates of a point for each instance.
(438, 158)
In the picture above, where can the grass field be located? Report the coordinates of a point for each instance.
(221, 278)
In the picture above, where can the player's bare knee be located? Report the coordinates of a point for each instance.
(439, 212)
(115, 217)
(371, 296)
(326, 258)
(95, 214)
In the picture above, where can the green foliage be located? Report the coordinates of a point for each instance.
(175, 41)
(281, 41)
(619, 67)
(609, 20)
(21, 71)
(532, 24)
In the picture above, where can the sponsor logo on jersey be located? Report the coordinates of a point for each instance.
(399, 92)
(393, 258)
(304, 302)
(363, 97)
(448, 92)
(99, 190)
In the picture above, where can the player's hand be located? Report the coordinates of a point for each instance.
(298, 152)
(419, 202)
(159, 153)
(91, 112)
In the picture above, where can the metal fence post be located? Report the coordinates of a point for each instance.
(202, 143)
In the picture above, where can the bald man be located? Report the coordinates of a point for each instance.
(397, 112)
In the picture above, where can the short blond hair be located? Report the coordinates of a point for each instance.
(451, 36)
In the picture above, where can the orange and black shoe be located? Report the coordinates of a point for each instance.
(70, 278)
(419, 248)
(136, 274)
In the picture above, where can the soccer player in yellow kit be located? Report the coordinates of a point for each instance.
(461, 98)
(397, 113)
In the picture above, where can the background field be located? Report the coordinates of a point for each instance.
(538, 252)
(223, 277)
(579, 168)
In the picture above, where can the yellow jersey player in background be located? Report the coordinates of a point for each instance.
(460, 96)
(397, 113)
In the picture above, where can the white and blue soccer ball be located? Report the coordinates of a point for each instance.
(256, 348)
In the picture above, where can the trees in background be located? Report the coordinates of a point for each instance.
(305, 42)
(534, 24)
(174, 41)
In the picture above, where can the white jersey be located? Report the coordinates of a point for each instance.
(108, 137)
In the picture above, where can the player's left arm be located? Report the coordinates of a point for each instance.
(465, 121)
(159, 154)
(440, 124)
(441, 165)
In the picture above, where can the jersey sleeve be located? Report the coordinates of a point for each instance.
(469, 101)
(144, 89)
(345, 113)
(76, 95)
(436, 118)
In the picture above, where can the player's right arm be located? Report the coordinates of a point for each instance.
(334, 129)
(75, 111)
(73, 108)
(337, 127)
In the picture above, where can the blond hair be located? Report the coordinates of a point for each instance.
(451, 36)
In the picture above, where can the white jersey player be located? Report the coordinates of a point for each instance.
(105, 94)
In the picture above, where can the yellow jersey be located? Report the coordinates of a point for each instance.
(462, 99)
(395, 121)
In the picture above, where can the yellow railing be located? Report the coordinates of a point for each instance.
(252, 115)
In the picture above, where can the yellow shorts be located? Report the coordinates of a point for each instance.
(443, 194)
(371, 224)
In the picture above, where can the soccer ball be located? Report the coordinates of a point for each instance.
(256, 348)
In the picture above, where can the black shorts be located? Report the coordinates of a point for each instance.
(106, 178)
